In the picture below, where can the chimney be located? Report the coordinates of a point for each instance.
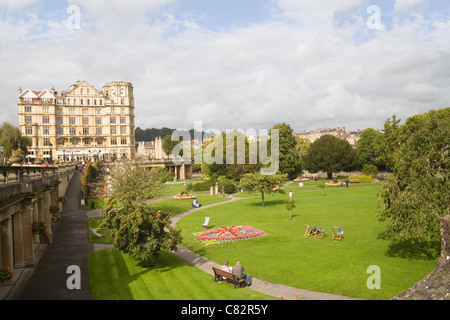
(20, 91)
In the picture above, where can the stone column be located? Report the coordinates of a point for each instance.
(26, 217)
(6, 250)
(46, 198)
(18, 241)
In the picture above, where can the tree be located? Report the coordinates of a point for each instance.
(366, 146)
(168, 144)
(129, 183)
(386, 143)
(330, 154)
(289, 158)
(417, 193)
(266, 184)
(290, 204)
(136, 228)
(11, 139)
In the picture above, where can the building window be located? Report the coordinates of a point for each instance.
(98, 111)
(72, 120)
(122, 92)
(68, 100)
(88, 102)
(122, 101)
(74, 141)
(113, 130)
(87, 141)
(99, 141)
(59, 120)
(45, 119)
(81, 91)
(46, 109)
(72, 131)
(112, 119)
(85, 131)
(123, 119)
(113, 141)
(59, 110)
(111, 110)
(46, 142)
(87, 91)
(60, 142)
(85, 120)
(98, 130)
(95, 102)
(85, 110)
(27, 109)
(74, 101)
(100, 102)
(123, 130)
(28, 130)
(71, 110)
(98, 120)
(28, 119)
(81, 101)
(123, 140)
(46, 130)
(59, 131)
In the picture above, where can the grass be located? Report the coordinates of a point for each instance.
(289, 258)
(286, 256)
(116, 276)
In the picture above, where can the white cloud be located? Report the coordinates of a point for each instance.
(401, 5)
(249, 77)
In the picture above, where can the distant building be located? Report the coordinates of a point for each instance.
(80, 122)
(312, 135)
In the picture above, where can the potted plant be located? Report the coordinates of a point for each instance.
(39, 227)
(6, 274)
(17, 156)
(39, 159)
(54, 209)
(62, 199)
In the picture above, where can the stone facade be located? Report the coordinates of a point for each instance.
(351, 136)
(80, 122)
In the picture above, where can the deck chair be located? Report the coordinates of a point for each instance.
(338, 233)
(98, 235)
(320, 233)
(206, 223)
(309, 231)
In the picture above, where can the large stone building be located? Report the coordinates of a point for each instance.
(80, 122)
(312, 135)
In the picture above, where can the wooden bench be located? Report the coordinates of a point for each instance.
(220, 274)
(353, 181)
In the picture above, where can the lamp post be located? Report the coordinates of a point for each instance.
(51, 153)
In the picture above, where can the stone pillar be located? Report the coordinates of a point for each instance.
(18, 241)
(46, 199)
(6, 250)
(26, 217)
(36, 207)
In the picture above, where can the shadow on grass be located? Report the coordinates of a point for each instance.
(267, 203)
(408, 249)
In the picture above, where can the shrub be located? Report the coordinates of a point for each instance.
(370, 170)
(229, 185)
(362, 178)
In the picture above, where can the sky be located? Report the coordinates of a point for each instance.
(236, 64)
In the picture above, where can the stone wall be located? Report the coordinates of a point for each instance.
(435, 286)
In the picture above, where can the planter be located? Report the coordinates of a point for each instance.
(16, 160)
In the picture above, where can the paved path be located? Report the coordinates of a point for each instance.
(70, 247)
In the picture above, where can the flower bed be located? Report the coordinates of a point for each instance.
(184, 197)
(227, 234)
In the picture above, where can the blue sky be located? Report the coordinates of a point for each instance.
(236, 64)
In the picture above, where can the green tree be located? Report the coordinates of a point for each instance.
(386, 143)
(266, 184)
(11, 139)
(417, 193)
(330, 154)
(370, 170)
(290, 204)
(366, 146)
(289, 158)
(168, 145)
(136, 228)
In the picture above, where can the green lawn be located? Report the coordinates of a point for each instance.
(286, 256)
(116, 276)
(317, 264)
